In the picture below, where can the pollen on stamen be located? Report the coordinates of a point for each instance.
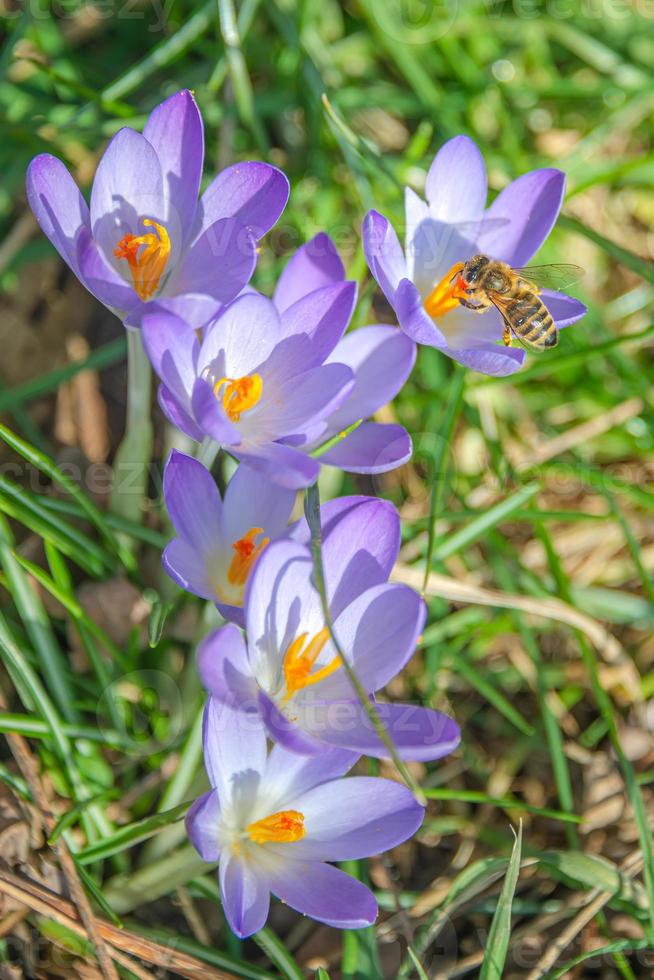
(280, 828)
(299, 661)
(247, 550)
(239, 394)
(446, 294)
(147, 257)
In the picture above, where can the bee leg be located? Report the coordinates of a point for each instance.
(475, 307)
(506, 336)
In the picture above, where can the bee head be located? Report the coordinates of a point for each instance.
(473, 268)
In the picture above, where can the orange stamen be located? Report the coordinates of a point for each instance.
(246, 553)
(299, 661)
(240, 395)
(148, 263)
(446, 295)
(281, 828)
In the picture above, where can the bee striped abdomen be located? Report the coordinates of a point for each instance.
(530, 319)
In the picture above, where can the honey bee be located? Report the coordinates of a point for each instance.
(482, 283)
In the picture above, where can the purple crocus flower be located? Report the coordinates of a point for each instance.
(289, 672)
(272, 380)
(380, 356)
(146, 240)
(219, 541)
(450, 227)
(274, 820)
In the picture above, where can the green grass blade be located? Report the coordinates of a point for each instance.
(606, 709)
(277, 953)
(131, 835)
(439, 463)
(32, 727)
(214, 957)
(619, 946)
(469, 671)
(38, 627)
(473, 796)
(45, 465)
(420, 970)
(641, 267)
(81, 549)
(238, 72)
(500, 932)
(72, 606)
(481, 525)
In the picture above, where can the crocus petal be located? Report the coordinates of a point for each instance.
(282, 464)
(323, 892)
(416, 211)
(177, 416)
(245, 895)
(224, 668)
(252, 501)
(58, 206)
(492, 359)
(413, 318)
(313, 266)
(189, 568)
(529, 206)
(486, 357)
(254, 193)
(380, 628)
(128, 186)
(381, 358)
(286, 732)
(280, 602)
(103, 280)
(456, 184)
(375, 529)
(210, 416)
(219, 263)
(378, 632)
(202, 822)
(383, 253)
(235, 754)
(193, 501)
(194, 308)
(289, 774)
(371, 448)
(246, 333)
(310, 396)
(322, 316)
(565, 310)
(418, 734)
(176, 132)
(354, 818)
(359, 549)
(172, 348)
(434, 247)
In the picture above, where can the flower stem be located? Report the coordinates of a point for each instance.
(312, 514)
(132, 462)
(452, 409)
(207, 452)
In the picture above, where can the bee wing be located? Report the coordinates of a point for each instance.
(555, 277)
(501, 303)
